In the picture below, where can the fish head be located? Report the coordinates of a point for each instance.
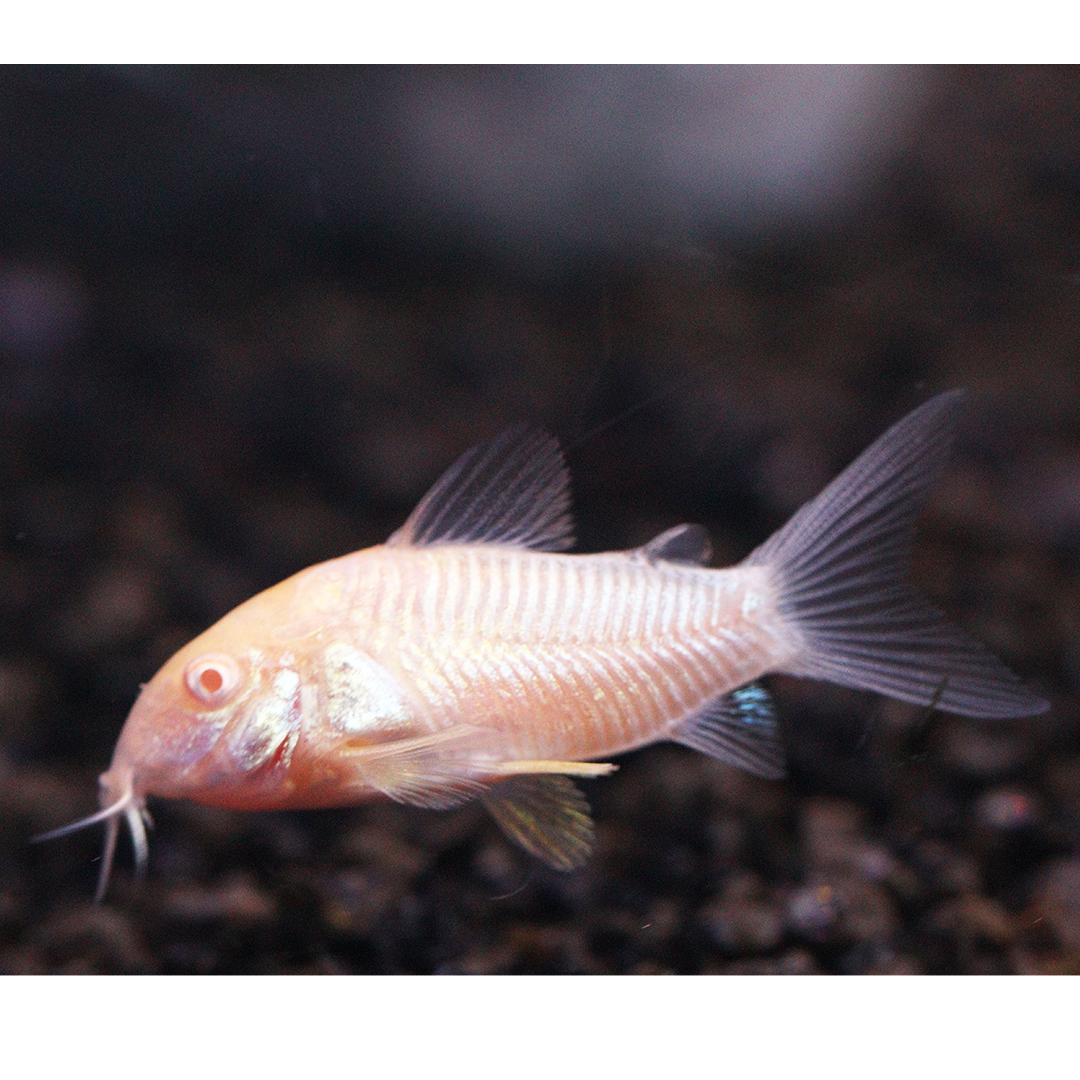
(217, 724)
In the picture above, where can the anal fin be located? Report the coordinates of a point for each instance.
(738, 728)
(546, 814)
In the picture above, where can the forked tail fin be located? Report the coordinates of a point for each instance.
(840, 567)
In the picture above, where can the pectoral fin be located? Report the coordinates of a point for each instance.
(435, 772)
(546, 814)
(588, 769)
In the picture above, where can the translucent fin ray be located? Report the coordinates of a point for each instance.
(738, 728)
(587, 769)
(687, 544)
(840, 567)
(513, 492)
(546, 815)
(435, 772)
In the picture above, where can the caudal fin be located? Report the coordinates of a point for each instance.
(840, 566)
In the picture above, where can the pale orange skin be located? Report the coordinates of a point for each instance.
(534, 656)
(158, 751)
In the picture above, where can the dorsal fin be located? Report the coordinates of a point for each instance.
(513, 492)
(688, 544)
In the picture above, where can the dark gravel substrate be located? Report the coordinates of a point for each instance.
(204, 395)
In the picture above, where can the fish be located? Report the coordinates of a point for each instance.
(471, 657)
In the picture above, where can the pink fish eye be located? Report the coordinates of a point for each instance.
(213, 679)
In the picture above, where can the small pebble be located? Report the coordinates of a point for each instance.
(1007, 809)
(94, 940)
(842, 908)
(1055, 899)
(119, 601)
(983, 751)
(357, 900)
(945, 870)
(794, 962)
(745, 917)
(236, 899)
(813, 911)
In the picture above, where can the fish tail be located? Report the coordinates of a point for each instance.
(840, 569)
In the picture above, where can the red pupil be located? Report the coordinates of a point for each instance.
(211, 680)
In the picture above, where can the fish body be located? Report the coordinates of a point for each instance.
(469, 657)
(498, 655)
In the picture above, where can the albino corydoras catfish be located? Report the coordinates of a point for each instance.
(467, 657)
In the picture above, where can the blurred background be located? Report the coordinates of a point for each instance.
(247, 316)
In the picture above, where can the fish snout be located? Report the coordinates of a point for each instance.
(115, 785)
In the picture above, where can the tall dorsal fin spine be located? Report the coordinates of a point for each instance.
(512, 492)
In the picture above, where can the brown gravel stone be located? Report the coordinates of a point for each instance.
(794, 962)
(744, 917)
(236, 899)
(94, 940)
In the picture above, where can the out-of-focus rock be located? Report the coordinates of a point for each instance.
(118, 602)
(1062, 781)
(1008, 810)
(841, 908)
(236, 899)
(983, 750)
(727, 837)
(974, 916)
(147, 526)
(813, 911)
(40, 799)
(1045, 495)
(26, 686)
(11, 913)
(972, 932)
(833, 833)
(878, 958)
(53, 515)
(793, 962)
(496, 864)
(943, 869)
(664, 920)
(94, 940)
(835, 838)
(40, 310)
(1049, 926)
(792, 471)
(745, 917)
(356, 900)
(371, 845)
